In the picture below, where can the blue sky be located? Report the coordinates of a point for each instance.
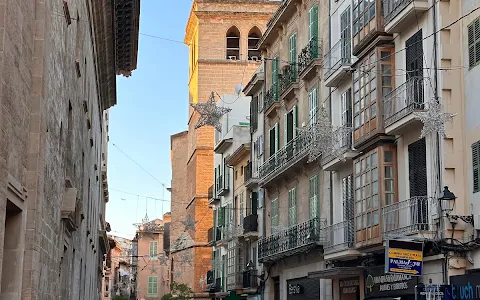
(152, 104)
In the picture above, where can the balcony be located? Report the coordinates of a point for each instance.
(210, 236)
(256, 81)
(401, 14)
(337, 63)
(249, 179)
(343, 150)
(399, 104)
(250, 279)
(234, 281)
(270, 100)
(292, 241)
(340, 241)
(309, 59)
(223, 183)
(409, 217)
(290, 155)
(288, 82)
(250, 226)
(212, 197)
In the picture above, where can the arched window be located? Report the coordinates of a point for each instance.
(233, 43)
(253, 38)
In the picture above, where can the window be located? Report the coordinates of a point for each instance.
(347, 108)
(290, 125)
(254, 114)
(312, 104)
(348, 200)
(375, 177)
(153, 250)
(233, 43)
(346, 36)
(476, 166)
(152, 286)
(236, 174)
(314, 197)
(274, 215)
(292, 207)
(363, 13)
(274, 137)
(474, 43)
(241, 171)
(417, 173)
(293, 52)
(313, 23)
(253, 39)
(242, 207)
(414, 66)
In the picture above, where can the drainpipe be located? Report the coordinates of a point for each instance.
(330, 110)
(264, 211)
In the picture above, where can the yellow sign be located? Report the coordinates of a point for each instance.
(412, 272)
(405, 254)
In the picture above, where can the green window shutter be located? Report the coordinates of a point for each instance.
(277, 138)
(285, 127)
(476, 166)
(313, 28)
(474, 43)
(272, 145)
(293, 55)
(153, 249)
(274, 214)
(152, 286)
(275, 77)
(221, 216)
(295, 120)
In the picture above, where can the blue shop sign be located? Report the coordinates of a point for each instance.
(404, 257)
(433, 292)
(465, 286)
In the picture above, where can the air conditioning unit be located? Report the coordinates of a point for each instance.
(232, 57)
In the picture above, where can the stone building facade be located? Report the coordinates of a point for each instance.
(218, 67)
(59, 60)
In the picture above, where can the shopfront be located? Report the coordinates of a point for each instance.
(465, 286)
(349, 288)
(379, 285)
(303, 289)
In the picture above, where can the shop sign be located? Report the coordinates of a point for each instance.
(379, 284)
(432, 292)
(303, 289)
(465, 287)
(404, 257)
(349, 286)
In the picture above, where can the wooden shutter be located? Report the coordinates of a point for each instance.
(313, 26)
(285, 129)
(275, 77)
(474, 43)
(476, 166)
(293, 49)
(314, 197)
(312, 100)
(254, 203)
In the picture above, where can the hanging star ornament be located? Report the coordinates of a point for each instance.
(177, 274)
(210, 113)
(186, 258)
(163, 259)
(433, 119)
(189, 223)
(318, 135)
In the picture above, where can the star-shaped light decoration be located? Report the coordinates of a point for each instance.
(210, 113)
(338, 141)
(189, 223)
(177, 274)
(182, 242)
(186, 258)
(163, 259)
(318, 135)
(433, 119)
(153, 270)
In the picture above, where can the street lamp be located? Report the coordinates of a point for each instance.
(447, 200)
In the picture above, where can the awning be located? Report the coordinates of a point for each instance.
(334, 273)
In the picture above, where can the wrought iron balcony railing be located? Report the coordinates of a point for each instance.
(391, 8)
(271, 96)
(288, 76)
(284, 158)
(292, 241)
(247, 172)
(234, 281)
(308, 54)
(339, 55)
(250, 279)
(343, 143)
(250, 223)
(223, 183)
(408, 216)
(231, 231)
(339, 237)
(403, 100)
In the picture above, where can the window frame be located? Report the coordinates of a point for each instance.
(274, 218)
(292, 207)
(312, 105)
(314, 197)
(155, 250)
(152, 282)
